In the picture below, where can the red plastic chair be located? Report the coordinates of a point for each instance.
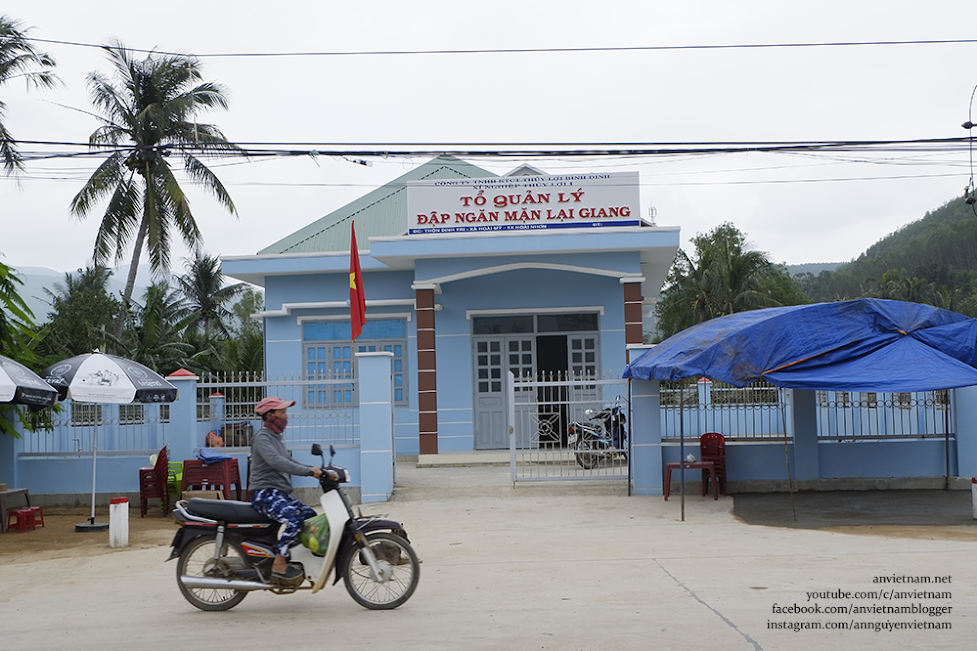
(154, 483)
(224, 473)
(712, 447)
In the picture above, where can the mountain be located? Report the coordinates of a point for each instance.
(37, 279)
(931, 260)
(813, 268)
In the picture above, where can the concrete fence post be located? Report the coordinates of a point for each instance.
(377, 453)
(646, 438)
(182, 435)
(218, 406)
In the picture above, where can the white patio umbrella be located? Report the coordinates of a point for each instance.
(106, 379)
(22, 386)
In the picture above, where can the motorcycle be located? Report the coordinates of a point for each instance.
(225, 550)
(603, 438)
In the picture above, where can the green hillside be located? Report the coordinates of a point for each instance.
(932, 260)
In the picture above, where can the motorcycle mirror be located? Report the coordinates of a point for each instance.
(316, 450)
(332, 452)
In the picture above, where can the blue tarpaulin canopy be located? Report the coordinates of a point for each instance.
(862, 345)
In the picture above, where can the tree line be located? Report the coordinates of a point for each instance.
(149, 129)
(932, 261)
(197, 321)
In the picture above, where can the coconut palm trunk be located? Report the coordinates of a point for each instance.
(130, 285)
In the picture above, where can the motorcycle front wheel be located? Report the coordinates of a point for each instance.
(197, 559)
(587, 457)
(399, 568)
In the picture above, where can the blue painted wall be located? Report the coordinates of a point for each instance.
(527, 289)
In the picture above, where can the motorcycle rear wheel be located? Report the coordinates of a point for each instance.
(587, 459)
(197, 559)
(398, 562)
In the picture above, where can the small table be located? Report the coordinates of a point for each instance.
(695, 465)
(3, 503)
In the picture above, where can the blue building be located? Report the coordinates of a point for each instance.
(468, 275)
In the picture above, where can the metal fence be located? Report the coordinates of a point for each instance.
(225, 407)
(71, 428)
(543, 409)
(762, 411)
(845, 416)
(693, 407)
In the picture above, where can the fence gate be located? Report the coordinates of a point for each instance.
(541, 411)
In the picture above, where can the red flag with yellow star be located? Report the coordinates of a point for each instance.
(357, 297)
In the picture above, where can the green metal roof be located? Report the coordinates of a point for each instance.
(382, 212)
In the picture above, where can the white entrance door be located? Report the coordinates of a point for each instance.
(495, 356)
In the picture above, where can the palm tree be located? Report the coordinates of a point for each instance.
(18, 340)
(244, 350)
(207, 297)
(16, 319)
(18, 58)
(149, 111)
(153, 336)
(724, 277)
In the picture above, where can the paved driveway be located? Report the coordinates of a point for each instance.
(539, 567)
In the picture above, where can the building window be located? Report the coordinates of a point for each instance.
(85, 414)
(329, 355)
(132, 414)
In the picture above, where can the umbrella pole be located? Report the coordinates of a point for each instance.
(946, 438)
(681, 447)
(91, 520)
(90, 525)
(790, 481)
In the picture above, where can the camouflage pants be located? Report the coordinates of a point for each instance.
(282, 508)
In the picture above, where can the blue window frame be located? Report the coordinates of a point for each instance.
(329, 355)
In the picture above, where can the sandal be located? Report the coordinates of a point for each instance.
(290, 575)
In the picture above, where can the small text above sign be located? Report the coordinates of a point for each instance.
(579, 200)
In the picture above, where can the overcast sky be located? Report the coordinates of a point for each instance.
(798, 208)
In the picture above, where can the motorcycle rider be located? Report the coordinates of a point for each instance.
(271, 483)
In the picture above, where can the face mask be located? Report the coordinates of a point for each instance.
(276, 424)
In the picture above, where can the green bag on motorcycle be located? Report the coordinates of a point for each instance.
(315, 534)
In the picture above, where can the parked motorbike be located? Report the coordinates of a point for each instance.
(225, 550)
(601, 439)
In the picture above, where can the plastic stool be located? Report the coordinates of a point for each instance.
(25, 519)
(38, 515)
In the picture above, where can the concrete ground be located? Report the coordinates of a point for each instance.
(886, 508)
(546, 566)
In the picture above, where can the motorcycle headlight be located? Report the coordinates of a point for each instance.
(341, 474)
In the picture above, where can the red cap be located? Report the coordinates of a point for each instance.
(270, 403)
(119, 500)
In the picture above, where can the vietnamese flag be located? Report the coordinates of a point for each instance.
(357, 297)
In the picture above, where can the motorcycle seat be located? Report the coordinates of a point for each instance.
(230, 511)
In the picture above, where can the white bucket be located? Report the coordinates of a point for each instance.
(119, 522)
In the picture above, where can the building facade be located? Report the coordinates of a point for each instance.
(468, 276)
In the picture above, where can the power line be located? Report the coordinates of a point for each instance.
(554, 50)
(519, 150)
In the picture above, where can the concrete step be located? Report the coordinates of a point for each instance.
(488, 480)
